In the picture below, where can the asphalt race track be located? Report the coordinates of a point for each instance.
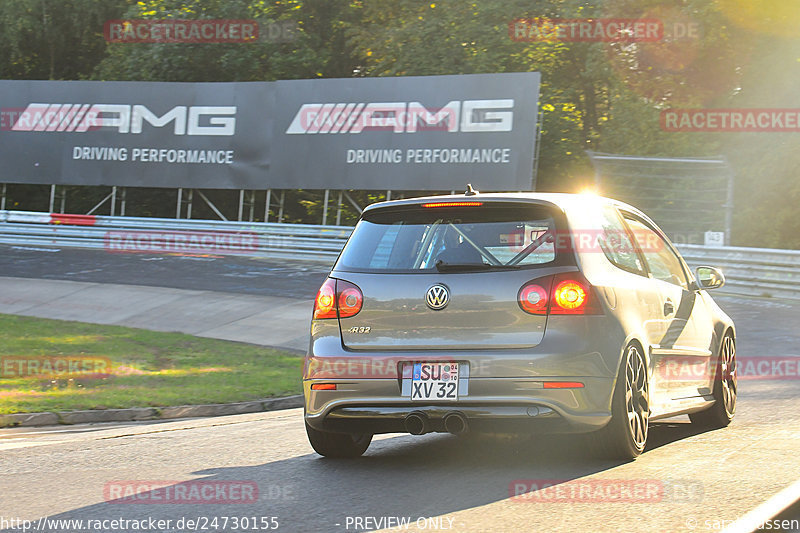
(262, 465)
(237, 274)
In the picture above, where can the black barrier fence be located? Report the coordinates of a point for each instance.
(303, 150)
(420, 133)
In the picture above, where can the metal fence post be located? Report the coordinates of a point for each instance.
(189, 204)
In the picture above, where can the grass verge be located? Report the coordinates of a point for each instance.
(147, 368)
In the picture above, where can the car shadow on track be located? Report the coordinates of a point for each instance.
(399, 476)
(667, 432)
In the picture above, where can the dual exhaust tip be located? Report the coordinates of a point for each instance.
(418, 423)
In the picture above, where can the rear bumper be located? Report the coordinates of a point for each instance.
(505, 387)
(493, 404)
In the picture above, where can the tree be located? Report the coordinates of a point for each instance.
(54, 39)
(318, 48)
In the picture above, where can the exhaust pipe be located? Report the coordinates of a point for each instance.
(416, 423)
(455, 423)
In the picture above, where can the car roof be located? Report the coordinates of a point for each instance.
(563, 201)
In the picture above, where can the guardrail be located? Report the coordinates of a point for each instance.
(749, 271)
(163, 235)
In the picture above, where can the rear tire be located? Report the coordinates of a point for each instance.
(625, 436)
(338, 445)
(721, 413)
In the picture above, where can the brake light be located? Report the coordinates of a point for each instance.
(573, 295)
(563, 385)
(453, 204)
(325, 304)
(561, 294)
(337, 298)
(569, 295)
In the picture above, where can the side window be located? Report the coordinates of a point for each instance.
(616, 243)
(661, 260)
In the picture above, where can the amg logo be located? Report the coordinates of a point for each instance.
(80, 118)
(404, 117)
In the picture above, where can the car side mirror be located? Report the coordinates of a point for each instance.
(709, 278)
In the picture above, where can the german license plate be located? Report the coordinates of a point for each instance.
(434, 381)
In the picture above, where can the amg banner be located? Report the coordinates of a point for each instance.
(402, 133)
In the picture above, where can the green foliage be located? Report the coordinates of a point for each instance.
(594, 95)
(319, 47)
(54, 39)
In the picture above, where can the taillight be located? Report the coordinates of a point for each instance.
(350, 299)
(569, 295)
(563, 385)
(573, 295)
(453, 204)
(532, 298)
(325, 304)
(561, 294)
(337, 298)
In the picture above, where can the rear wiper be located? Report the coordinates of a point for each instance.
(441, 266)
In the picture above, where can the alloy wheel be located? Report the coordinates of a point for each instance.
(637, 397)
(728, 378)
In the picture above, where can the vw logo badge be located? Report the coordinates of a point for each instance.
(437, 297)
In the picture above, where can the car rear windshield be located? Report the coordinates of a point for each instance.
(423, 239)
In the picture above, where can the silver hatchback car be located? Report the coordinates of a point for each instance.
(514, 312)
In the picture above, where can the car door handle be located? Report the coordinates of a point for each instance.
(669, 307)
